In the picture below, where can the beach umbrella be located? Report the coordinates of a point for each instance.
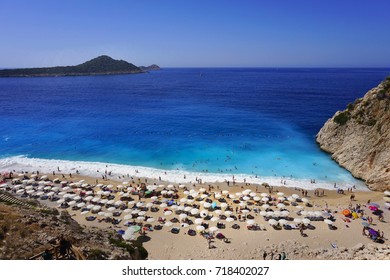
(202, 190)
(143, 213)
(218, 195)
(204, 213)
(200, 228)
(149, 204)
(106, 193)
(44, 177)
(100, 192)
(213, 229)
(229, 219)
(141, 218)
(136, 211)
(60, 201)
(245, 211)
(273, 222)
(163, 205)
(265, 206)
(167, 213)
(81, 205)
(153, 198)
(265, 199)
(263, 213)
(96, 208)
(188, 209)
(291, 199)
(225, 192)
(183, 200)
(232, 196)
(182, 186)
(50, 193)
(88, 198)
(298, 220)
(252, 194)
(238, 194)
(108, 215)
(168, 224)
(90, 206)
(295, 196)
(280, 205)
(183, 216)
(103, 201)
(111, 209)
(47, 188)
(270, 214)
(277, 213)
(264, 194)
(228, 213)
(20, 191)
(387, 193)
(214, 219)
(207, 205)
(280, 194)
(304, 213)
(305, 200)
(184, 225)
(198, 221)
(246, 198)
(128, 217)
(218, 211)
(128, 211)
(40, 193)
(194, 211)
(84, 212)
(306, 221)
(140, 204)
(150, 220)
(72, 203)
(317, 213)
(329, 222)
(250, 222)
(130, 203)
(223, 205)
(246, 192)
(282, 222)
(203, 196)
(77, 197)
(257, 198)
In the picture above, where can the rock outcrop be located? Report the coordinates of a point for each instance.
(359, 137)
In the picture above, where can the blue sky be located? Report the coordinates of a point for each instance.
(185, 33)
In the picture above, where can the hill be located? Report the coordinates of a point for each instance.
(101, 65)
(359, 137)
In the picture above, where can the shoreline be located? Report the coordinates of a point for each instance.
(121, 171)
(244, 244)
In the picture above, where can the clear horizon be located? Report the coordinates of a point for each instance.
(172, 33)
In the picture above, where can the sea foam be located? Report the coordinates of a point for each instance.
(97, 169)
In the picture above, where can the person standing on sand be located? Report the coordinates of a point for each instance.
(264, 255)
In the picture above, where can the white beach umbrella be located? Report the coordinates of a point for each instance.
(281, 205)
(228, 213)
(282, 222)
(20, 191)
(306, 221)
(245, 211)
(265, 206)
(168, 224)
(387, 193)
(213, 229)
(200, 228)
(299, 207)
(183, 216)
(252, 194)
(81, 204)
(150, 220)
(143, 213)
(194, 211)
(136, 211)
(329, 222)
(184, 225)
(285, 213)
(263, 213)
(198, 221)
(141, 218)
(265, 199)
(223, 205)
(50, 193)
(218, 211)
(163, 205)
(60, 201)
(84, 212)
(291, 199)
(232, 196)
(214, 219)
(246, 198)
(225, 192)
(71, 203)
(257, 198)
(127, 210)
(229, 219)
(206, 205)
(128, 217)
(104, 201)
(204, 213)
(250, 222)
(96, 208)
(140, 204)
(298, 220)
(107, 215)
(149, 204)
(130, 203)
(305, 200)
(183, 200)
(202, 190)
(277, 213)
(280, 194)
(168, 213)
(182, 186)
(153, 198)
(89, 206)
(273, 222)
(295, 196)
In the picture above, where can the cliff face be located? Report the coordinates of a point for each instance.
(359, 137)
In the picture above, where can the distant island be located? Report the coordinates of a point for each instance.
(101, 65)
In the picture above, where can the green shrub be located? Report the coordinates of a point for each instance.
(350, 107)
(342, 118)
(371, 122)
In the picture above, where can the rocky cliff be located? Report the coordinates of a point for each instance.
(359, 137)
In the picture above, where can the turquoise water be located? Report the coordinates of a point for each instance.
(260, 122)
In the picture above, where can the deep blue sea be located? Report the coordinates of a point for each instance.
(256, 121)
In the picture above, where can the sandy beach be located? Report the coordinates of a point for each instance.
(250, 204)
